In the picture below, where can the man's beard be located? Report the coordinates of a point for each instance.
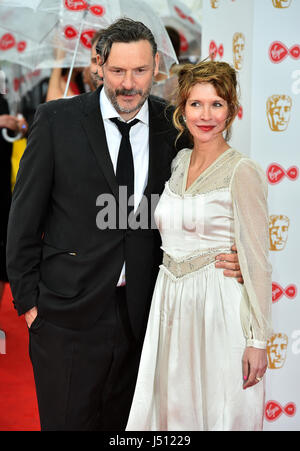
(96, 79)
(113, 97)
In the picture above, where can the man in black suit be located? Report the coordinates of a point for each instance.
(84, 284)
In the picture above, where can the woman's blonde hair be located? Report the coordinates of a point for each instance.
(221, 75)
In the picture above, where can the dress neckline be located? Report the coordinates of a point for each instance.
(187, 166)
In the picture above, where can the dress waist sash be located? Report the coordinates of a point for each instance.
(180, 268)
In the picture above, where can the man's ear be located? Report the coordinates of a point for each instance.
(99, 66)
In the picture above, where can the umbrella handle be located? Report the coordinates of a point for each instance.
(74, 56)
(10, 139)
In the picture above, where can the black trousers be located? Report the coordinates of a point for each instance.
(85, 380)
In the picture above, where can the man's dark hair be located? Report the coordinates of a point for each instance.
(124, 30)
(96, 37)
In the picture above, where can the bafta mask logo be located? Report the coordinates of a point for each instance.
(214, 3)
(278, 232)
(276, 351)
(281, 3)
(279, 112)
(238, 47)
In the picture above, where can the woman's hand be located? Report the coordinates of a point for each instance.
(255, 363)
(30, 316)
(9, 121)
(230, 262)
(14, 123)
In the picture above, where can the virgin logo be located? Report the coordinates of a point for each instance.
(76, 5)
(70, 32)
(277, 292)
(184, 45)
(275, 173)
(7, 42)
(80, 5)
(86, 38)
(97, 10)
(240, 112)
(21, 46)
(273, 410)
(18, 81)
(183, 16)
(278, 52)
(214, 50)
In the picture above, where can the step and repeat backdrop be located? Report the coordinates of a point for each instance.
(261, 39)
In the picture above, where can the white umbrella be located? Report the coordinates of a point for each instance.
(178, 15)
(71, 24)
(33, 30)
(19, 80)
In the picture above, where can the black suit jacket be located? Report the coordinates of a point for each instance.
(57, 257)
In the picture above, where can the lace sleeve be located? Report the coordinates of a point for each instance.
(177, 160)
(249, 195)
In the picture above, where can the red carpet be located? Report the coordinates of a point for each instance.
(18, 405)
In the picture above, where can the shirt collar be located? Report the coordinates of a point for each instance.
(108, 110)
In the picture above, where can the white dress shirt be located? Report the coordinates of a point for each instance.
(139, 139)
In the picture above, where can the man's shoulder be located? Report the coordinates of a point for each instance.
(65, 105)
(162, 112)
(161, 104)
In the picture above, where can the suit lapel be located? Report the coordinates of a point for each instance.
(93, 124)
(158, 155)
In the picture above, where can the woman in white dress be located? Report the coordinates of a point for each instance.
(204, 353)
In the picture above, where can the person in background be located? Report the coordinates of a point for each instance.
(165, 86)
(14, 125)
(90, 73)
(83, 284)
(58, 81)
(204, 354)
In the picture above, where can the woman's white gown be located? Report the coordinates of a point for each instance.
(190, 375)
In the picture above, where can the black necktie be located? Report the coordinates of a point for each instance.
(125, 166)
